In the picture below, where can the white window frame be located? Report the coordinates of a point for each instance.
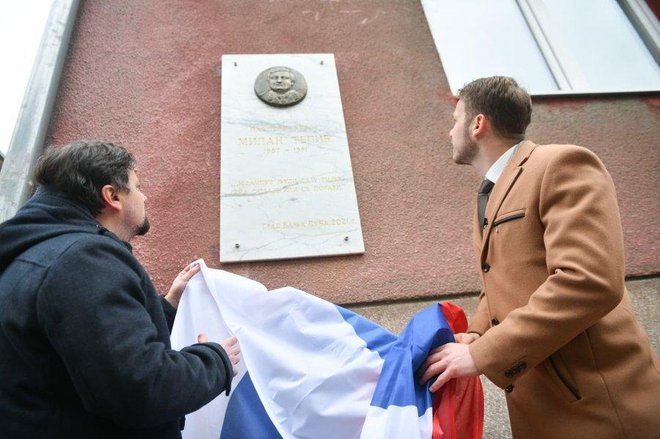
(552, 46)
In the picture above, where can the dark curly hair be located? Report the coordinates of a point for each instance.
(80, 169)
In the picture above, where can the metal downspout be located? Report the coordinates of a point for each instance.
(31, 127)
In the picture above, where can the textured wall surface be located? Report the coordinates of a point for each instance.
(145, 73)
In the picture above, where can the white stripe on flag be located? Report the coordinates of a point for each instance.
(315, 369)
(396, 422)
(311, 371)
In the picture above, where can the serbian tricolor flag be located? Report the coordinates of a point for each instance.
(312, 369)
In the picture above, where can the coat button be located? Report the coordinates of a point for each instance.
(509, 388)
(494, 322)
(485, 268)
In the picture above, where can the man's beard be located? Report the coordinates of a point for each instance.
(467, 154)
(469, 150)
(143, 229)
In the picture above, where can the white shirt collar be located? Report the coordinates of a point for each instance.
(497, 168)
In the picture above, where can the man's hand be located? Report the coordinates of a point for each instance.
(466, 338)
(230, 345)
(179, 284)
(452, 360)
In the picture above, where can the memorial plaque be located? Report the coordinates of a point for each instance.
(286, 183)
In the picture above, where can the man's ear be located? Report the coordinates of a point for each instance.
(110, 197)
(480, 125)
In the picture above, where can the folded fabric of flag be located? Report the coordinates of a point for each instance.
(312, 369)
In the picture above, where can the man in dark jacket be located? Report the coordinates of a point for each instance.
(84, 337)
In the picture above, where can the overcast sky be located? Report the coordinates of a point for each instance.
(21, 25)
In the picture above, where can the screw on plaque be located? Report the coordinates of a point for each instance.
(237, 245)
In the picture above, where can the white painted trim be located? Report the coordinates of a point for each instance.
(646, 24)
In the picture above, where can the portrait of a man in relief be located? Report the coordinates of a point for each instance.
(280, 86)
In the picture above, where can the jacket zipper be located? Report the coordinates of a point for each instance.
(564, 381)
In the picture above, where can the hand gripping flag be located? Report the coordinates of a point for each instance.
(311, 369)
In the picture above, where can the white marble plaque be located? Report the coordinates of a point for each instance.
(286, 183)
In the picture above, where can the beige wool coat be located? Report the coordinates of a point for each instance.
(558, 328)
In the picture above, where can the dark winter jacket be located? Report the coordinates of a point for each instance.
(84, 338)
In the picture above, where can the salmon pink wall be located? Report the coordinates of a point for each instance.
(145, 73)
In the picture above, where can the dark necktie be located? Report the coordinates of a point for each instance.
(482, 200)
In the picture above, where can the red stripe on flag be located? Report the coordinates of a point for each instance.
(458, 407)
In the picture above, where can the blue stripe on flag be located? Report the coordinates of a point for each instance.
(246, 416)
(376, 337)
(398, 385)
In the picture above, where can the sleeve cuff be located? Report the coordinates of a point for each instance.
(229, 370)
(169, 311)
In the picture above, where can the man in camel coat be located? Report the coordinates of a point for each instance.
(554, 326)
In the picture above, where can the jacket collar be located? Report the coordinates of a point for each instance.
(502, 188)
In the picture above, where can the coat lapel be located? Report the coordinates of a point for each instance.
(503, 187)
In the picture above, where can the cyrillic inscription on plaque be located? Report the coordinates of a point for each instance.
(286, 181)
